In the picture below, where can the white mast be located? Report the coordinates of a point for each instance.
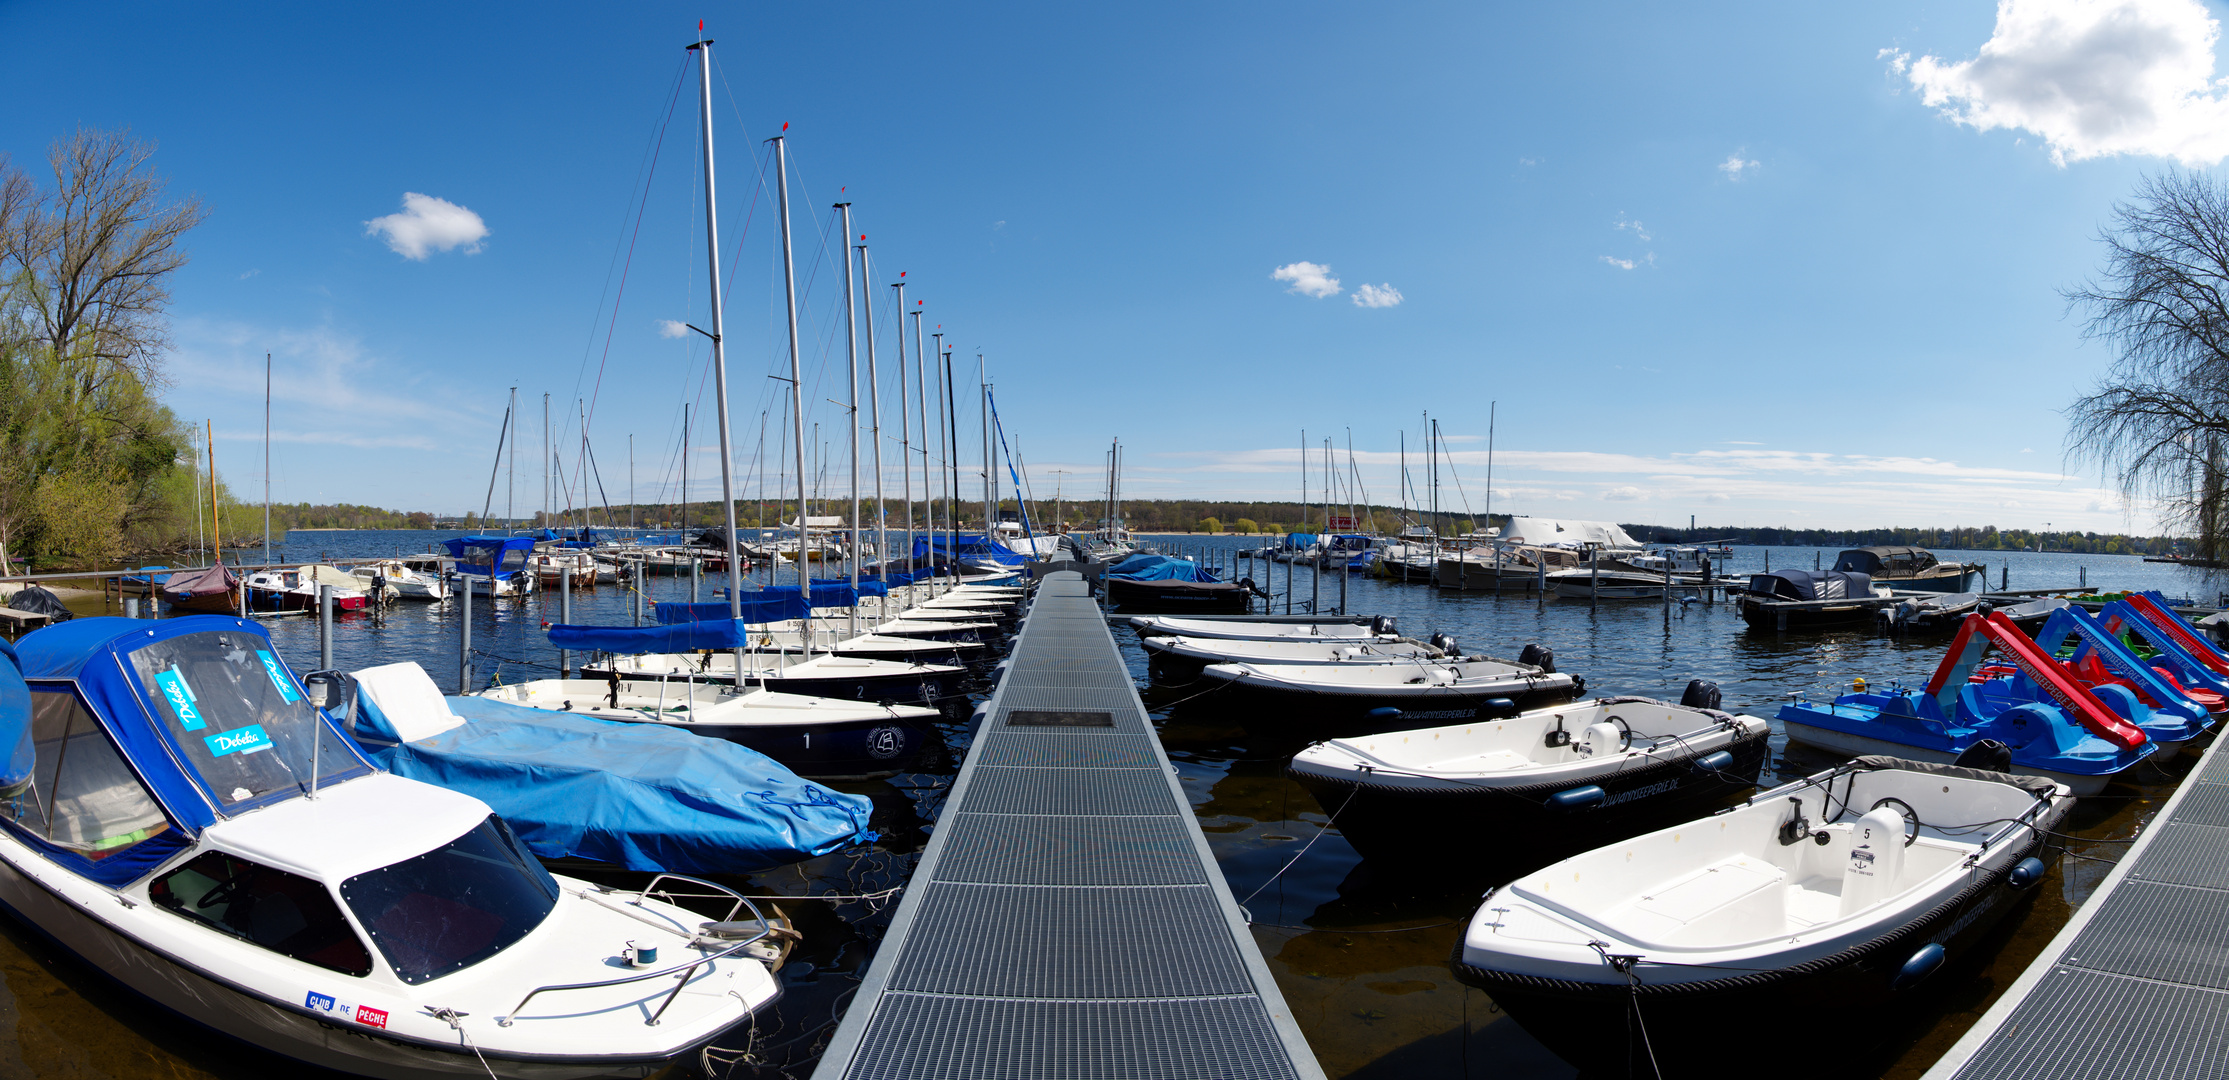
(874, 408)
(796, 379)
(851, 347)
(703, 49)
(905, 430)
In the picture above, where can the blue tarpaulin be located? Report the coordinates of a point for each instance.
(967, 547)
(487, 556)
(1144, 567)
(674, 637)
(642, 796)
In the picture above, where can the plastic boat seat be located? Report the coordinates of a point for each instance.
(1874, 870)
(1602, 740)
(1733, 898)
(406, 695)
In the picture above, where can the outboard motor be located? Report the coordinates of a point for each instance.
(1446, 645)
(1987, 754)
(1382, 624)
(1700, 694)
(1539, 656)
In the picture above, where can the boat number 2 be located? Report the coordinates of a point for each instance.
(362, 1014)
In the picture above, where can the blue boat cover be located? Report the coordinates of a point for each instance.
(642, 796)
(1144, 567)
(485, 555)
(1297, 541)
(967, 547)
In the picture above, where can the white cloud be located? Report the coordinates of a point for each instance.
(1376, 296)
(1308, 279)
(251, 274)
(1639, 229)
(1528, 161)
(1624, 493)
(1622, 264)
(2093, 78)
(670, 328)
(426, 225)
(1734, 166)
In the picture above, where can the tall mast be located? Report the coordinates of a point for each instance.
(691, 541)
(703, 49)
(1490, 409)
(851, 347)
(796, 378)
(942, 455)
(905, 427)
(216, 522)
(266, 459)
(630, 483)
(511, 484)
(921, 388)
(874, 408)
(983, 409)
(952, 421)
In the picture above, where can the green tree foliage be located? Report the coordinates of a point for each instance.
(1246, 526)
(87, 456)
(1210, 525)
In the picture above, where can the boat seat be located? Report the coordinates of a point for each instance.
(407, 697)
(1876, 863)
(1602, 740)
(1733, 897)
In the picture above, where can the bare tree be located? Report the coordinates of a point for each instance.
(2158, 422)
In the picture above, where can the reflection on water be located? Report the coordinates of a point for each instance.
(1359, 949)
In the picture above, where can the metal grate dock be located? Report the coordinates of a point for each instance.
(2136, 987)
(1067, 919)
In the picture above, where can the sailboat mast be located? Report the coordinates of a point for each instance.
(1490, 409)
(943, 483)
(851, 349)
(796, 377)
(216, 523)
(266, 459)
(952, 421)
(703, 49)
(905, 429)
(511, 485)
(983, 410)
(928, 496)
(874, 408)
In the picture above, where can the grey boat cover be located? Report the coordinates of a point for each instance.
(1810, 585)
(215, 581)
(2034, 785)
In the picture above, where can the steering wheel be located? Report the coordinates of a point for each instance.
(223, 893)
(1625, 732)
(1911, 817)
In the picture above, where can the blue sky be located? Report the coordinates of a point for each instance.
(1763, 264)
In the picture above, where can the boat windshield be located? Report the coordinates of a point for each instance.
(454, 906)
(238, 716)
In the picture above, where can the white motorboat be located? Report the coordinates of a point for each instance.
(847, 678)
(1543, 776)
(1587, 583)
(401, 582)
(1177, 657)
(1836, 893)
(297, 589)
(213, 842)
(1354, 628)
(815, 737)
(1362, 698)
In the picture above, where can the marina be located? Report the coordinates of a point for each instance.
(1083, 634)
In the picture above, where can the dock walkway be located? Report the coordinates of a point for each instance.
(1067, 918)
(2136, 985)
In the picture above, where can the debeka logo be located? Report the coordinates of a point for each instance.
(245, 740)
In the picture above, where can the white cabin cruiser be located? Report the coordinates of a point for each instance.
(401, 582)
(1837, 893)
(180, 816)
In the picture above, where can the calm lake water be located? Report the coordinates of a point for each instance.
(1359, 950)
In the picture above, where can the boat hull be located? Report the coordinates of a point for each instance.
(1313, 713)
(1385, 821)
(1179, 597)
(289, 1032)
(947, 692)
(868, 749)
(1686, 1022)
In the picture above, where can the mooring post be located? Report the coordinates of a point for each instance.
(464, 641)
(325, 628)
(1594, 577)
(1315, 593)
(1667, 581)
(1343, 572)
(696, 577)
(1288, 586)
(564, 616)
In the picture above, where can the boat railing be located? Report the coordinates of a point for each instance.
(684, 970)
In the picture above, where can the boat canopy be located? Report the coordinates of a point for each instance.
(1810, 585)
(488, 556)
(1563, 532)
(1299, 541)
(967, 547)
(1891, 562)
(1145, 567)
(145, 733)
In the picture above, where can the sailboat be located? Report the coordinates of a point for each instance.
(215, 590)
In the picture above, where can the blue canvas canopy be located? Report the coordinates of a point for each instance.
(642, 796)
(1297, 541)
(966, 547)
(488, 556)
(675, 637)
(203, 709)
(1144, 567)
